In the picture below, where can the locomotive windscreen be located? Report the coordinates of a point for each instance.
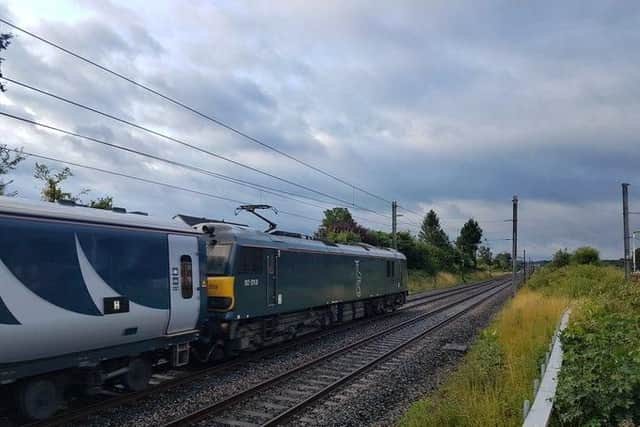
(218, 259)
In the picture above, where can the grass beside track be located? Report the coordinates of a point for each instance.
(419, 281)
(497, 374)
(599, 383)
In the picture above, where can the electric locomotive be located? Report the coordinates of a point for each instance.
(264, 288)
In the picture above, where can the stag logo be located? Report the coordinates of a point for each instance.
(358, 279)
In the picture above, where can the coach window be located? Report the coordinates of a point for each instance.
(186, 276)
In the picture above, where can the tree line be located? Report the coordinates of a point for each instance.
(431, 250)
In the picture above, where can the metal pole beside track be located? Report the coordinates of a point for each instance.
(394, 223)
(514, 251)
(625, 223)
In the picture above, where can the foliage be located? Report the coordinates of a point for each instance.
(561, 258)
(378, 238)
(102, 203)
(586, 255)
(420, 281)
(9, 160)
(469, 239)
(495, 376)
(503, 261)
(431, 252)
(485, 256)
(339, 226)
(5, 41)
(52, 191)
(431, 232)
(600, 379)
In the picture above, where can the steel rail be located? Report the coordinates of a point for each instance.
(312, 399)
(228, 402)
(128, 398)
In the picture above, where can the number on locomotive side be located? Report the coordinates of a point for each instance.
(252, 282)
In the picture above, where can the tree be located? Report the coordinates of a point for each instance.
(52, 191)
(503, 261)
(5, 41)
(9, 160)
(586, 255)
(469, 239)
(102, 203)
(339, 224)
(561, 258)
(377, 238)
(485, 256)
(431, 232)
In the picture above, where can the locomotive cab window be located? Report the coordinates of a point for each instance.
(218, 259)
(186, 276)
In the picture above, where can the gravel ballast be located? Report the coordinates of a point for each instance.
(381, 396)
(182, 400)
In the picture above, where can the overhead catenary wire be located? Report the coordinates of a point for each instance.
(152, 156)
(181, 142)
(191, 109)
(162, 184)
(202, 150)
(154, 182)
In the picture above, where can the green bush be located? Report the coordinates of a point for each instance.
(561, 258)
(586, 255)
(599, 383)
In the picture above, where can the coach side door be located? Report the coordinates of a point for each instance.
(184, 283)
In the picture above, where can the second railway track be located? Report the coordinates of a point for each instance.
(276, 400)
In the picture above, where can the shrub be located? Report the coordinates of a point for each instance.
(561, 258)
(599, 383)
(586, 255)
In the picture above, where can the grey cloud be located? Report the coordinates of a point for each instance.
(454, 105)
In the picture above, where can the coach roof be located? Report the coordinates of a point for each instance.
(36, 209)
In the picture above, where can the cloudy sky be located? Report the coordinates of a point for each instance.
(450, 105)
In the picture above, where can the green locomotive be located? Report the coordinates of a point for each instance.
(264, 288)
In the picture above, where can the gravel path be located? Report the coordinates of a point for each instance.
(383, 395)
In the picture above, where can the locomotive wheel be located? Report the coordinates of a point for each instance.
(138, 376)
(39, 398)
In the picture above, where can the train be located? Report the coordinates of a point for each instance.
(90, 297)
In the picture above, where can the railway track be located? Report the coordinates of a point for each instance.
(166, 381)
(276, 400)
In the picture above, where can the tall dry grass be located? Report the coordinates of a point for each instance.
(497, 374)
(420, 281)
